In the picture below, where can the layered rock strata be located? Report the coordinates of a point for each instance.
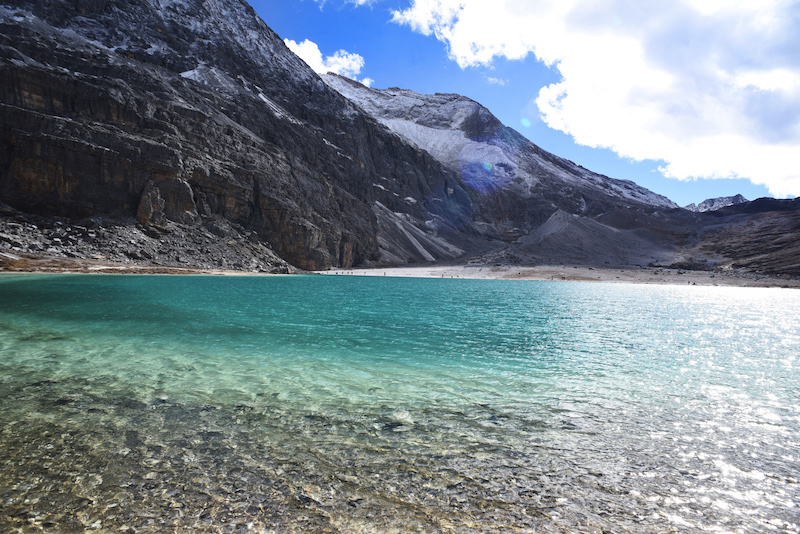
(189, 112)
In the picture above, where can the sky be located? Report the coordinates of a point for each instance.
(692, 99)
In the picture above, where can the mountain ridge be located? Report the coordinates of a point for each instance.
(623, 224)
(483, 135)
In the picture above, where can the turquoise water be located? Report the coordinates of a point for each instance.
(348, 404)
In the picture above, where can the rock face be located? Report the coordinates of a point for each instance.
(187, 112)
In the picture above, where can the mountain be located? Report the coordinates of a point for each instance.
(489, 156)
(542, 208)
(545, 209)
(713, 204)
(761, 236)
(185, 133)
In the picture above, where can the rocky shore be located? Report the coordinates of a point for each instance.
(29, 243)
(51, 244)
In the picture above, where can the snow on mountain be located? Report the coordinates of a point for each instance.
(466, 137)
(713, 204)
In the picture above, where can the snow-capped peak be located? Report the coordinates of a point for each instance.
(713, 204)
(467, 138)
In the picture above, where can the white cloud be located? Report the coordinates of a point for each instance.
(496, 81)
(711, 87)
(342, 62)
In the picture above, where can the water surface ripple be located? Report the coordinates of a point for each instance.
(346, 404)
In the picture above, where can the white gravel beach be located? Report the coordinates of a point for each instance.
(564, 273)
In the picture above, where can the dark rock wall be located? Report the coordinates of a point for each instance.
(97, 120)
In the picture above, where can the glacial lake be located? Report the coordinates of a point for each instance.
(371, 404)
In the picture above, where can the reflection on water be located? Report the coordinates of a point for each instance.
(318, 404)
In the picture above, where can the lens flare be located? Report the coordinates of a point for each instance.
(487, 164)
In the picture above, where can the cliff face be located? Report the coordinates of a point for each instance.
(183, 113)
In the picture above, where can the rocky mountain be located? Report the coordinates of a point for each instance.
(542, 208)
(488, 155)
(192, 118)
(185, 133)
(713, 204)
(762, 236)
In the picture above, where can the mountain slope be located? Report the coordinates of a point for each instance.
(518, 189)
(545, 209)
(490, 156)
(762, 236)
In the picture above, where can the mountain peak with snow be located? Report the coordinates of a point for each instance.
(714, 204)
(467, 138)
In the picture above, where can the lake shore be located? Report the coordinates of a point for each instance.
(28, 263)
(566, 273)
(16, 263)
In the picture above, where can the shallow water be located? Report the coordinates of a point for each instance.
(346, 404)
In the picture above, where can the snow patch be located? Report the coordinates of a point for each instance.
(213, 77)
(154, 49)
(193, 74)
(444, 145)
(338, 150)
(279, 111)
(713, 204)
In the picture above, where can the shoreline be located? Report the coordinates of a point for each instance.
(29, 264)
(24, 263)
(570, 273)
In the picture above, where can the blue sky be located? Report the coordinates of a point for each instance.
(603, 84)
